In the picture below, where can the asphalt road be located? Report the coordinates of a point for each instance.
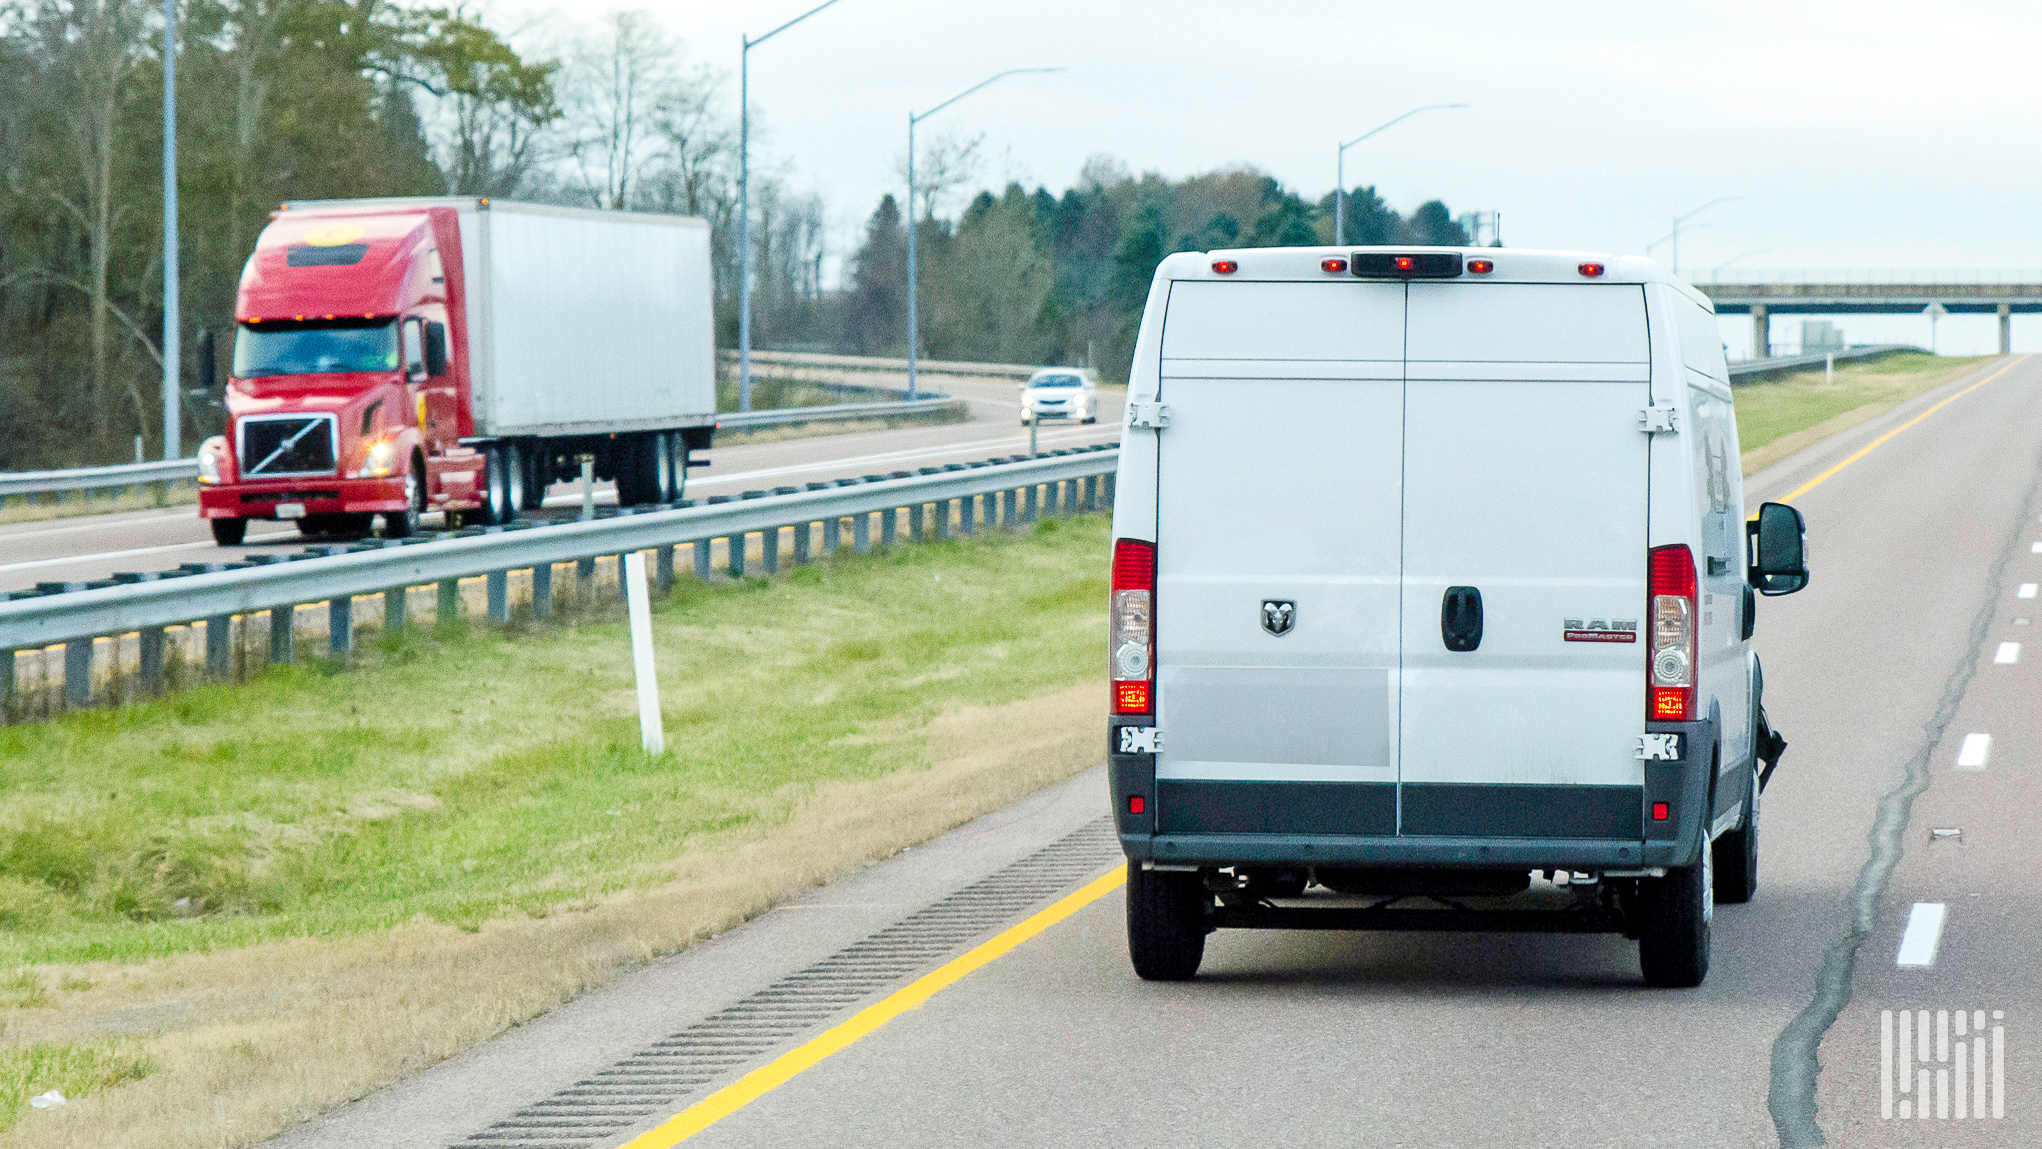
(94, 547)
(1877, 674)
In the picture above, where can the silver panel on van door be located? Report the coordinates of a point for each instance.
(1275, 724)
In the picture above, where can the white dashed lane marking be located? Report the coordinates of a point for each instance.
(2008, 653)
(1924, 934)
(1971, 756)
(2027, 591)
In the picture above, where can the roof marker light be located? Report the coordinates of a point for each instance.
(1404, 263)
(1481, 266)
(1591, 269)
(1225, 266)
(1334, 266)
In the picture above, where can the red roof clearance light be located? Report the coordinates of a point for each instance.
(1225, 266)
(1591, 269)
(1404, 262)
(1481, 266)
(1333, 266)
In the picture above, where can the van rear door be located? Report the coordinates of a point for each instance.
(1279, 505)
(1525, 483)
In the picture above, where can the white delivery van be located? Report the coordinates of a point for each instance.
(1431, 577)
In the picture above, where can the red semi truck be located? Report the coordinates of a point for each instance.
(400, 356)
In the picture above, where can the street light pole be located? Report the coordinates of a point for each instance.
(1340, 167)
(914, 328)
(173, 399)
(1678, 220)
(744, 203)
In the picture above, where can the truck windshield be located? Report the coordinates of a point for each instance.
(315, 348)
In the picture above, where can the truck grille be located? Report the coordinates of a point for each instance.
(273, 446)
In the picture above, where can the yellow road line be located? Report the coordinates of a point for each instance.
(1874, 444)
(787, 1066)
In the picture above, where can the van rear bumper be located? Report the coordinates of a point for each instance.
(1412, 852)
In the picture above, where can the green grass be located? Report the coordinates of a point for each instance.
(1773, 410)
(73, 1069)
(458, 778)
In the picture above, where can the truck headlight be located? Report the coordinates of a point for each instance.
(376, 460)
(209, 458)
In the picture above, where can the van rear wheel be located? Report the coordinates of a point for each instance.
(1736, 853)
(1673, 915)
(1168, 915)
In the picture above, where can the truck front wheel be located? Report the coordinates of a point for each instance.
(1168, 916)
(229, 532)
(403, 525)
(1672, 918)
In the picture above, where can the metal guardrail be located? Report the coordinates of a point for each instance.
(95, 478)
(1014, 491)
(838, 412)
(1756, 367)
(812, 361)
(185, 470)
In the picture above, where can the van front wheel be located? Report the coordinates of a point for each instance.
(1168, 916)
(1673, 915)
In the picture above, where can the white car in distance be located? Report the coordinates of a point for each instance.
(1060, 393)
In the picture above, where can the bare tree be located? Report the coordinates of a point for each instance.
(614, 90)
(700, 143)
(494, 106)
(948, 162)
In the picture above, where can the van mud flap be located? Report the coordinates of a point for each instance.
(1768, 747)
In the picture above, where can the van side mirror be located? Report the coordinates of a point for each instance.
(435, 349)
(1778, 560)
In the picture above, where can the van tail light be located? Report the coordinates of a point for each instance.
(1131, 630)
(1670, 673)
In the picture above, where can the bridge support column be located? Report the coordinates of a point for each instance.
(1761, 332)
(2006, 329)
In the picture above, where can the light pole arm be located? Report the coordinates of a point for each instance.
(1398, 120)
(749, 42)
(912, 118)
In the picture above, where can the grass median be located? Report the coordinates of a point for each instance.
(278, 896)
(1779, 417)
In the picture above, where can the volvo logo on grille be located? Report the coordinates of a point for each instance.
(1279, 615)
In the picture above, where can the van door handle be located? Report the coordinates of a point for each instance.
(1460, 618)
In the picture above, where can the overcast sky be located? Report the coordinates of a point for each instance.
(1861, 134)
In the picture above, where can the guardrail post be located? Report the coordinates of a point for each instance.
(888, 526)
(967, 510)
(395, 600)
(802, 532)
(1028, 503)
(861, 533)
(282, 634)
(449, 611)
(220, 647)
(663, 574)
(542, 591)
(6, 685)
(340, 626)
(1091, 493)
(832, 536)
(734, 548)
(151, 659)
(943, 518)
(78, 672)
(702, 547)
(1106, 484)
(584, 581)
(915, 523)
(499, 596)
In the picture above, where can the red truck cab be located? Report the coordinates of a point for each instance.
(348, 395)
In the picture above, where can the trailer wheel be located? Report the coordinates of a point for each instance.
(229, 532)
(638, 479)
(536, 461)
(497, 508)
(1736, 853)
(1673, 915)
(515, 471)
(1168, 916)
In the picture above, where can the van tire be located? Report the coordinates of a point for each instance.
(1673, 924)
(1737, 852)
(1168, 916)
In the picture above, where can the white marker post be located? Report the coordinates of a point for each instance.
(650, 729)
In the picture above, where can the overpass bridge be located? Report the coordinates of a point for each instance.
(1764, 294)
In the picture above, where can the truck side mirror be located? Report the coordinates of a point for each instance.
(1779, 550)
(435, 349)
(208, 368)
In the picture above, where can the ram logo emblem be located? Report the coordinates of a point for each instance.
(1279, 615)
